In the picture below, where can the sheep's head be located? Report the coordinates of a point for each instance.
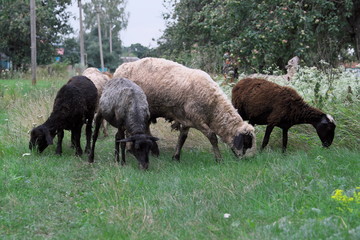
(325, 128)
(140, 148)
(244, 143)
(40, 138)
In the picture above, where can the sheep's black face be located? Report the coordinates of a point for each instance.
(140, 148)
(40, 138)
(326, 130)
(241, 144)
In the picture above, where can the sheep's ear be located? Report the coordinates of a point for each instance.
(130, 139)
(154, 139)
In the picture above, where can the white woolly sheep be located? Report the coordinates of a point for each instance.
(123, 104)
(99, 79)
(266, 103)
(192, 99)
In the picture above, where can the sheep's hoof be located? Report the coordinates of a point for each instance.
(79, 153)
(87, 150)
(176, 157)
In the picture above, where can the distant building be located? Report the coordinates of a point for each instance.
(353, 67)
(5, 62)
(129, 59)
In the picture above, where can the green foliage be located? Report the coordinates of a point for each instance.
(262, 33)
(111, 60)
(139, 50)
(51, 20)
(72, 51)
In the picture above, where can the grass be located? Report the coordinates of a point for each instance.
(269, 196)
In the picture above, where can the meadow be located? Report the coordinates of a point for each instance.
(307, 193)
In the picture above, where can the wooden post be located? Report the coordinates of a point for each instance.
(33, 41)
(81, 36)
(100, 41)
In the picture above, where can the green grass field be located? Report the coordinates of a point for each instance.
(269, 196)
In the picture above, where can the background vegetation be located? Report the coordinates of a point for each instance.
(261, 34)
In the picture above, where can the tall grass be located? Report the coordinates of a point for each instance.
(269, 196)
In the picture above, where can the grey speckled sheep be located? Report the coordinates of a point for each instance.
(123, 104)
(99, 79)
(190, 97)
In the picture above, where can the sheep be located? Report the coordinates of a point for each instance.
(99, 79)
(123, 104)
(74, 105)
(291, 68)
(266, 103)
(193, 100)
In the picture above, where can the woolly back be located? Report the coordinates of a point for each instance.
(124, 102)
(97, 77)
(186, 95)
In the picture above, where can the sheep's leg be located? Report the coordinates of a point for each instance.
(120, 135)
(268, 131)
(285, 139)
(77, 135)
(181, 140)
(214, 142)
(88, 133)
(98, 120)
(72, 141)
(60, 136)
(154, 148)
(104, 126)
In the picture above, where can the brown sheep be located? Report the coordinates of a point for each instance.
(266, 103)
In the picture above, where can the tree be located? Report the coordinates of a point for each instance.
(72, 50)
(113, 17)
(263, 33)
(139, 50)
(93, 55)
(51, 23)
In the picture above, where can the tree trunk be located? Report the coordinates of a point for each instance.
(110, 38)
(354, 21)
(357, 38)
(33, 41)
(82, 52)
(100, 42)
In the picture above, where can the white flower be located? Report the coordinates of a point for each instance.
(26, 154)
(227, 215)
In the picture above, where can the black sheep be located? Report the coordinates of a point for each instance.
(74, 105)
(266, 103)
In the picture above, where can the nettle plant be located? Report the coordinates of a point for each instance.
(325, 84)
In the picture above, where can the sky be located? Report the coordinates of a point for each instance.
(145, 22)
